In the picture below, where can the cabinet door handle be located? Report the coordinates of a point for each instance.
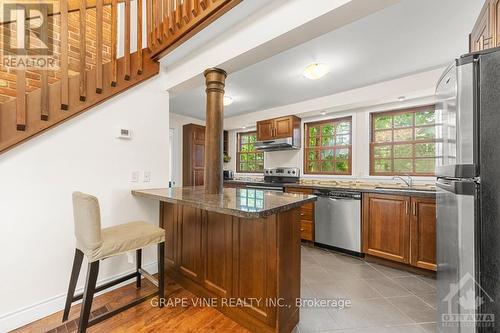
(406, 207)
(302, 214)
(414, 208)
(301, 229)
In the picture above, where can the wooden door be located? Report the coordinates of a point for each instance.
(481, 37)
(423, 233)
(265, 130)
(198, 156)
(283, 127)
(386, 226)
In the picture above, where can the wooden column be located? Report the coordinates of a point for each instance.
(214, 132)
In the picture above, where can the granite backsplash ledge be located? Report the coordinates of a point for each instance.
(349, 183)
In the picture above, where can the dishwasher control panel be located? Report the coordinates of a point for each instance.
(338, 194)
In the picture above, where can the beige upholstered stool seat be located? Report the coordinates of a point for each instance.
(123, 238)
(98, 243)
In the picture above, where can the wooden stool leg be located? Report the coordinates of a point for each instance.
(138, 266)
(77, 265)
(161, 274)
(88, 296)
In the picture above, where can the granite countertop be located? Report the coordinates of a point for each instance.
(423, 190)
(234, 201)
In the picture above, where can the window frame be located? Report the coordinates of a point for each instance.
(373, 144)
(334, 147)
(238, 152)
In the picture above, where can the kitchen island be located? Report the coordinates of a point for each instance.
(239, 249)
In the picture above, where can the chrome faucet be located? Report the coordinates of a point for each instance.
(408, 182)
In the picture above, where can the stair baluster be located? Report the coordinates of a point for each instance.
(99, 45)
(83, 50)
(64, 57)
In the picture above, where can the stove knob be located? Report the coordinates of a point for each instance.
(289, 172)
(293, 172)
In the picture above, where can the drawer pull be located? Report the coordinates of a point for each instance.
(302, 229)
(302, 214)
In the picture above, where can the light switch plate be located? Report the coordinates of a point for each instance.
(130, 257)
(134, 176)
(147, 176)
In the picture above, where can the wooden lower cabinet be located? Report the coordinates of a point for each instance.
(423, 233)
(386, 226)
(400, 228)
(306, 214)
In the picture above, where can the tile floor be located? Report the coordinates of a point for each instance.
(383, 300)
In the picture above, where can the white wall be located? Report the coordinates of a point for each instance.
(258, 36)
(177, 121)
(38, 177)
(358, 103)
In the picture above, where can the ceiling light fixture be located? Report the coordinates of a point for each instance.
(401, 98)
(323, 113)
(243, 127)
(316, 71)
(228, 100)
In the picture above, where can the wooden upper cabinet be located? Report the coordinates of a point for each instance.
(265, 130)
(278, 128)
(283, 127)
(484, 33)
(386, 226)
(423, 233)
(495, 9)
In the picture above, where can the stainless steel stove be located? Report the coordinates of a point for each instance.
(275, 178)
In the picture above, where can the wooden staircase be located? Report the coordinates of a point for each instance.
(90, 71)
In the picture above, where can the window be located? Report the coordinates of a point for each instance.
(405, 142)
(328, 148)
(247, 158)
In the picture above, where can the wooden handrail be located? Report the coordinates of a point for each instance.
(184, 18)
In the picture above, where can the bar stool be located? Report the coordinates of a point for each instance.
(98, 244)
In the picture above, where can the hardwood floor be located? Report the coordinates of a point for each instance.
(143, 318)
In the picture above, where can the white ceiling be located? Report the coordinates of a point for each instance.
(409, 37)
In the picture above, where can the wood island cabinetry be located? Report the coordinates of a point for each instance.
(222, 256)
(226, 248)
(400, 228)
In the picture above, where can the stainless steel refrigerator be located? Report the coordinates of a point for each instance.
(468, 194)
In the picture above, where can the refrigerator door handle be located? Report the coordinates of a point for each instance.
(461, 187)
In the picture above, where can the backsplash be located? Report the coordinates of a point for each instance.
(348, 183)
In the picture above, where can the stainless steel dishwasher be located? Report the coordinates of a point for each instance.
(338, 220)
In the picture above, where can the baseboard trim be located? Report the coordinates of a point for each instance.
(26, 315)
